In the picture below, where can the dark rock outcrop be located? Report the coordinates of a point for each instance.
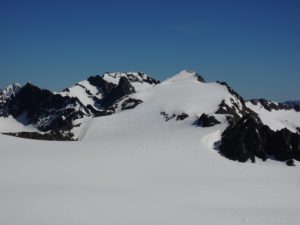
(182, 116)
(130, 103)
(290, 162)
(206, 121)
(200, 78)
(122, 89)
(249, 138)
(168, 116)
(51, 136)
(98, 113)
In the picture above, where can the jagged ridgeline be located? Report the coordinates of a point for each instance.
(249, 130)
(53, 116)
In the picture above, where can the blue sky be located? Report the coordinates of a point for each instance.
(253, 45)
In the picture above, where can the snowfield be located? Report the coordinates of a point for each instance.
(135, 168)
(10, 124)
(137, 179)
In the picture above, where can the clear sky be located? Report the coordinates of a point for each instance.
(254, 45)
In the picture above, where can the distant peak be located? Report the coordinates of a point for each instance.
(29, 84)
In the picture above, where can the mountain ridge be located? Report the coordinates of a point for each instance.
(182, 99)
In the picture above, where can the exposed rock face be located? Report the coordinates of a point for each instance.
(206, 121)
(101, 84)
(47, 111)
(122, 89)
(232, 112)
(243, 141)
(249, 138)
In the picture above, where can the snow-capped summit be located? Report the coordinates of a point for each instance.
(9, 91)
(185, 75)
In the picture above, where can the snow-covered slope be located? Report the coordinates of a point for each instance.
(277, 119)
(140, 166)
(85, 92)
(10, 124)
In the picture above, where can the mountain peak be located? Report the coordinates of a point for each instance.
(187, 75)
(186, 72)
